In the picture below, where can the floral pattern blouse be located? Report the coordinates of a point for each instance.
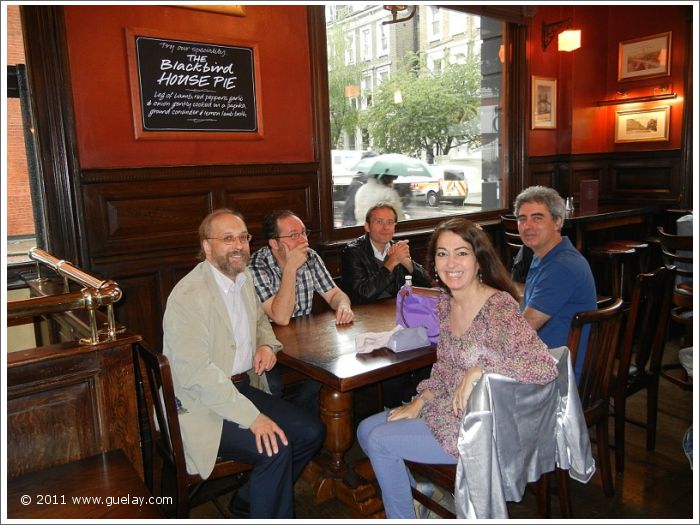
(499, 340)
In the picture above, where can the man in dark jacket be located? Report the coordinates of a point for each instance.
(374, 265)
(374, 268)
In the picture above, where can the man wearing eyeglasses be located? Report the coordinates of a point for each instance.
(287, 272)
(374, 265)
(220, 345)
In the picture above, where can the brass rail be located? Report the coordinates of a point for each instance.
(94, 294)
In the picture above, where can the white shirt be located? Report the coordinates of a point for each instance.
(380, 255)
(238, 317)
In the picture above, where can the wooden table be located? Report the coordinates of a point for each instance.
(607, 217)
(107, 485)
(315, 346)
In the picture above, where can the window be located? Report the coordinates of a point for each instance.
(366, 90)
(382, 39)
(382, 75)
(435, 61)
(366, 43)
(434, 26)
(25, 217)
(440, 104)
(458, 23)
(350, 49)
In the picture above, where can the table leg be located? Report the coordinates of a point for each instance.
(333, 477)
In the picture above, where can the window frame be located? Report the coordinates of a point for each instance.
(515, 135)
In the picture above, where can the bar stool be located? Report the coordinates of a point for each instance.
(626, 259)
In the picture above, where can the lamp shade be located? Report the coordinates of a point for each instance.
(569, 40)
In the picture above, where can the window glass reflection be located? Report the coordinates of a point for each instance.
(430, 92)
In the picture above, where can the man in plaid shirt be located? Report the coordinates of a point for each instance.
(286, 273)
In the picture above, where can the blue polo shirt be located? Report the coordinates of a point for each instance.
(561, 285)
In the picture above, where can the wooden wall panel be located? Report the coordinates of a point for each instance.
(53, 410)
(650, 177)
(161, 215)
(285, 196)
(141, 305)
(659, 179)
(586, 170)
(142, 224)
(68, 401)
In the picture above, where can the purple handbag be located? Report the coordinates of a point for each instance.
(416, 306)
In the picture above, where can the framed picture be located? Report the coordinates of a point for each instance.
(544, 103)
(642, 125)
(645, 57)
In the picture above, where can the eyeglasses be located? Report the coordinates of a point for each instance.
(382, 222)
(294, 236)
(230, 239)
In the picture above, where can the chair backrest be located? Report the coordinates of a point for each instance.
(517, 264)
(596, 375)
(677, 249)
(510, 229)
(645, 328)
(167, 441)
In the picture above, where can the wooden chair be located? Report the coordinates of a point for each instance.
(444, 477)
(594, 385)
(677, 251)
(188, 491)
(520, 256)
(641, 351)
(512, 235)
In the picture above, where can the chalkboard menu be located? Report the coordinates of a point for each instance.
(191, 86)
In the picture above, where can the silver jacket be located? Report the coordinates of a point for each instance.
(512, 433)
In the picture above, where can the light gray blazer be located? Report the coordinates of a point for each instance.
(199, 343)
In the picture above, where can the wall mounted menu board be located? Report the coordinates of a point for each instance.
(184, 86)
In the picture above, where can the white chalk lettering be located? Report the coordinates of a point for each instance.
(171, 79)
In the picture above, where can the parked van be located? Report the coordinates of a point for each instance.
(447, 184)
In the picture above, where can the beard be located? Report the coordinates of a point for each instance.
(229, 266)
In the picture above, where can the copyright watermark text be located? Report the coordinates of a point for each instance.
(109, 501)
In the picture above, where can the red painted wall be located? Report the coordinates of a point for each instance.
(589, 74)
(101, 96)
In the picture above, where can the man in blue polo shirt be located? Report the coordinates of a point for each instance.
(559, 283)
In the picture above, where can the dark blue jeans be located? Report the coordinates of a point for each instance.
(271, 484)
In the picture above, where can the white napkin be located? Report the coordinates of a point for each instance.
(368, 341)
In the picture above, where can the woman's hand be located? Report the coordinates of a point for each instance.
(409, 411)
(464, 390)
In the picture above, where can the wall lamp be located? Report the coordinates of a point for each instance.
(568, 40)
(395, 10)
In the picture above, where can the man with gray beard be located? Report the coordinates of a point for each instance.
(220, 344)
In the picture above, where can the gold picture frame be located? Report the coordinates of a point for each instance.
(642, 125)
(544, 103)
(233, 10)
(644, 57)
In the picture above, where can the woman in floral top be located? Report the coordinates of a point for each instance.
(481, 330)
